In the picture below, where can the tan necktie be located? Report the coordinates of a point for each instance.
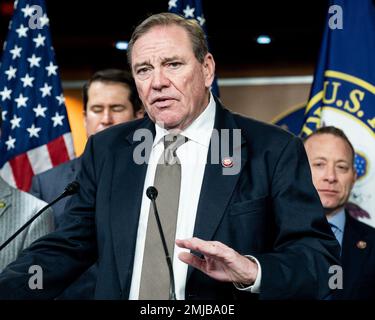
(155, 281)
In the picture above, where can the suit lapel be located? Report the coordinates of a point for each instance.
(5, 196)
(353, 258)
(126, 198)
(217, 188)
(75, 165)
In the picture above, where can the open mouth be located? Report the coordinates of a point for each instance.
(162, 102)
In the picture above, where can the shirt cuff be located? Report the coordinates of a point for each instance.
(254, 288)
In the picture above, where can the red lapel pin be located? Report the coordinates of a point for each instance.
(227, 162)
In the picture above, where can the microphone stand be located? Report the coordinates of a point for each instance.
(152, 194)
(70, 189)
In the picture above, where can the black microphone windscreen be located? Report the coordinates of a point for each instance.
(152, 193)
(72, 188)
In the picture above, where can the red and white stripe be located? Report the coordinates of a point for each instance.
(19, 171)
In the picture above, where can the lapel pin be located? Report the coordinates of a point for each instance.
(2, 204)
(227, 162)
(361, 244)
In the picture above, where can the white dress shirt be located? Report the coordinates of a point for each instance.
(193, 157)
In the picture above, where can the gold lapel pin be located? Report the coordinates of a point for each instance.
(2, 204)
(361, 244)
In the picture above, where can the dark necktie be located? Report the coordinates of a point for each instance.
(155, 281)
(336, 231)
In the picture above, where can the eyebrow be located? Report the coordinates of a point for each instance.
(325, 159)
(163, 61)
(166, 60)
(317, 159)
(141, 64)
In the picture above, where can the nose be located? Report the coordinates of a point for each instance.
(159, 80)
(330, 174)
(107, 118)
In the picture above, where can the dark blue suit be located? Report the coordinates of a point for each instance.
(48, 186)
(270, 210)
(358, 261)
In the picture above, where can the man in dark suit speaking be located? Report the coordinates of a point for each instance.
(252, 218)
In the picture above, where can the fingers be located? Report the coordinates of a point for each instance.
(192, 260)
(220, 262)
(207, 248)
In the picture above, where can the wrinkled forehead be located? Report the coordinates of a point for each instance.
(161, 42)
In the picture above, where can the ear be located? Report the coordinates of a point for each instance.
(209, 69)
(354, 176)
(140, 113)
(85, 119)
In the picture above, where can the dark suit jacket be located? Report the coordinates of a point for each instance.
(358, 262)
(50, 184)
(270, 210)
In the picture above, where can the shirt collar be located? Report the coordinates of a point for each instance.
(199, 131)
(338, 220)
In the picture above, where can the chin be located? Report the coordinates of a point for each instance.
(168, 123)
(329, 205)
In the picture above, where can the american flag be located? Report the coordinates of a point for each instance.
(35, 134)
(192, 9)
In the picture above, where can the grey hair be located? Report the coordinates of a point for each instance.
(191, 26)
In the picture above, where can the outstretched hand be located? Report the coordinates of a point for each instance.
(219, 261)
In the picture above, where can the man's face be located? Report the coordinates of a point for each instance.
(108, 104)
(332, 170)
(172, 84)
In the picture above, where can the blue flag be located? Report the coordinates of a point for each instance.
(291, 120)
(343, 92)
(192, 9)
(35, 132)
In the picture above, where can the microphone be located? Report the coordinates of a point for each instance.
(152, 194)
(70, 189)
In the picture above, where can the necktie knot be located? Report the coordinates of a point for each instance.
(332, 225)
(171, 144)
(335, 230)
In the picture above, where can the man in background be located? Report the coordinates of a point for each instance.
(331, 157)
(16, 208)
(109, 98)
